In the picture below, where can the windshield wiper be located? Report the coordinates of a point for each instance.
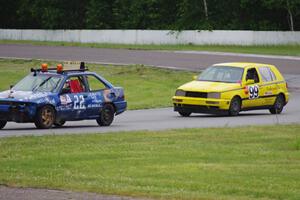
(42, 83)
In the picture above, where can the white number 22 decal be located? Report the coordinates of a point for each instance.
(79, 102)
(253, 91)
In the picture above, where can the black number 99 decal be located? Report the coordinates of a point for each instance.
(253, 91)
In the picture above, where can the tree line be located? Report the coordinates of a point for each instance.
(151, 14)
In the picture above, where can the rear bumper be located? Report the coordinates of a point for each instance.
(120, 107)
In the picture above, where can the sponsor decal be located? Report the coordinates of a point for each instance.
(65, 99)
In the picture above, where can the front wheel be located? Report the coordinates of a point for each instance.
(2, 124)
(278, 105)
(45, 117)
(106, 115)
(235, 106)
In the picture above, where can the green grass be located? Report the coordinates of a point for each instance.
(145, 87)
(216, 163)
(291, 50)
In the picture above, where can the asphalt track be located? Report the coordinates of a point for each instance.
(158, 119)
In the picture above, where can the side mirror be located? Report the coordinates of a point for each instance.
(250, 81)
(195, 78)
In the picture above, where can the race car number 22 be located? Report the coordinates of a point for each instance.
(79, 102)
(253, 91)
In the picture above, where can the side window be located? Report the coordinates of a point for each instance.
(74, 84)
(252, 74)
(95, 84)
(273, 75)
(265, 74)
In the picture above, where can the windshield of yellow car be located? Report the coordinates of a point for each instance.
(39, 82)
(222, 74)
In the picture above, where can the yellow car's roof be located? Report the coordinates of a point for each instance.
(241, 64)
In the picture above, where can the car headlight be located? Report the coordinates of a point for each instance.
(214, 95)
(180, 93)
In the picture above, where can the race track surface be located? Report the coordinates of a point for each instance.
(161, 119)
(165, 118)
(188, 60)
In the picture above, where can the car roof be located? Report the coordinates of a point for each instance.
(242, 64)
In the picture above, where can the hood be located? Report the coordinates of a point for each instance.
(207, 86)
(22, 95)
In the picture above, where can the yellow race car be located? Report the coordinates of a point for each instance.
(228, 88)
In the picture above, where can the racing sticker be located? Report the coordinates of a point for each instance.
(65, 99)
(253, 91)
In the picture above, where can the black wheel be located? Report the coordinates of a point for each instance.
(235, 106)
(59, 123)
(278, 105)
(45, 117)
(106, 115)
(2, 124)
(184, 114)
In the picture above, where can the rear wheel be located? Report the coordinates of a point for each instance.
(45, 117)
(235, 106)
(278, 105)
(106, 115)
(2, 124)
(184, 114)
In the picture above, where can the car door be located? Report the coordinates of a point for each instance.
(74, 99)
(268, 87)
(99, 92)
(252, 88)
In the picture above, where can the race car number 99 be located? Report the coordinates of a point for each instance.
(253, 91)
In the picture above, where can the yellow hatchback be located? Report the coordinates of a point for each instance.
(228, 88)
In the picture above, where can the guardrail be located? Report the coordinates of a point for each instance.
(156, 36)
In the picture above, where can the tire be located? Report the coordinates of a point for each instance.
(184, 114)
(59, 123)
(2, 124)
(106, 115)
(278, 105)
(45, 117)
(235, 106)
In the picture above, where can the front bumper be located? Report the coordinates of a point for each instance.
(16, 111)
(200, 105)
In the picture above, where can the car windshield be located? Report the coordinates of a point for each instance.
(39, 82)
(222, 74)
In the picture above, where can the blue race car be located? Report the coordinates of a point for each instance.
(50, 97)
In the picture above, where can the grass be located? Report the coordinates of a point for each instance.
(290, 50)
(145, 87)
(216, 163)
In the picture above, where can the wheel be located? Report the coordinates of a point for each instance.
(106, 115)
(59, 123)
(2, 124)
(235, 106)
(278, 105)
(45, 117)
(184, 114)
